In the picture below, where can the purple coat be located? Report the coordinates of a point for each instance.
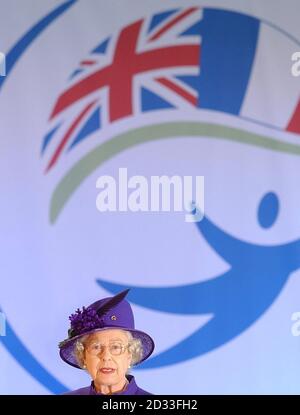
(132, 389)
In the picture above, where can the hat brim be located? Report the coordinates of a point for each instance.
(67, 349)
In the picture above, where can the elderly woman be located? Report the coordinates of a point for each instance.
(102, 340)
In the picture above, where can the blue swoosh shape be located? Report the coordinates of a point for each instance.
(20, 47)
(236, 298)
(25, 358)
(11, 341)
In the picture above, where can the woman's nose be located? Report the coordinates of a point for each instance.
(105, 353)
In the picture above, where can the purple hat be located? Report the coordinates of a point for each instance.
(109, 313)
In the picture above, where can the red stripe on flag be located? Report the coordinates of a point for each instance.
(67, 136)
(118, 76)
(172, 56)
(172, 23)
(294, 123)
(87, 62)
(178, 90)
(80, 90)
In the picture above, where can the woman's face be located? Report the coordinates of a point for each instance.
(107, 359)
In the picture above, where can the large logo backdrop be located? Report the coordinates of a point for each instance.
(170, 89)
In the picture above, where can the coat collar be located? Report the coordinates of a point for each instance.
(130, 390)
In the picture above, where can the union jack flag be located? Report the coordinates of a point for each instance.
(151, 64)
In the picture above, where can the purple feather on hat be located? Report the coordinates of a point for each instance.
(91, 318)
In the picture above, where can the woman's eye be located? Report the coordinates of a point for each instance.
(116, 347)
(96, 347)
(113, 347)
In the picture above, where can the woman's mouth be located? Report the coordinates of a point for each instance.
(107, 370)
